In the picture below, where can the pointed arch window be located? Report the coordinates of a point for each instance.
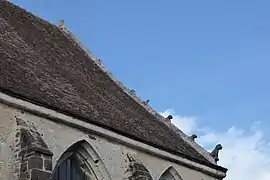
(80, 162)
(170, 174)
(73, 167)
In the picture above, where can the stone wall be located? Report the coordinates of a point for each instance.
(33, 156)
(31, 146)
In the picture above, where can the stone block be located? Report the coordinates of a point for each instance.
(35, 162)
(40, 175)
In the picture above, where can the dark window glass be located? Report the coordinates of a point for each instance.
(70, 169)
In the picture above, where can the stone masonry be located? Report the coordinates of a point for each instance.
(33, 144)
(34, 159)
(137, 169)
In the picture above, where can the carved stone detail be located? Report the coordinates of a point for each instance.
(137, 170)
(146, 102)
(193, 137)
(169, 118)
(33, 154)
(215, 152)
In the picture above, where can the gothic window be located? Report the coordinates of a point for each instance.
(170, 174)
(74, 167)
(80, 162)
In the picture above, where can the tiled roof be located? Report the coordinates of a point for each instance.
(41, 65)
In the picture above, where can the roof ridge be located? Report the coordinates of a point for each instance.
(135, 97)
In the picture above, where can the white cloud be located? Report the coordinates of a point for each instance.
(246, 153)
(187, 124)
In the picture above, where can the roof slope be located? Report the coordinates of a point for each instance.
(40, 64)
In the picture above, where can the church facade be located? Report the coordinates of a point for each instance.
(65, 117)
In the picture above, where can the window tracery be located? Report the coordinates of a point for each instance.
(170, 174)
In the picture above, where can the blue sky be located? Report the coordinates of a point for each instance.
(203, 59)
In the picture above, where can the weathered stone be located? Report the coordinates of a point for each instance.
(23, 178)
(96, 161)
(33, 153)
(215, 152)
(48, 165)
(15, 168)
(35, 149)
(17, 145)
(17, 134)
(112, 155)
(23, 167)
(26, 138)
(41, 141)
(91, 137)
(24, 158)
(137, 169)
(47, 157)
(40, 175)
(24, 175)
(35, 162)
(20, 122)
(31, 142)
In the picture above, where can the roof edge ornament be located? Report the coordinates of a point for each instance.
(169, 118)
(70, 35)
(193, 137)
(133, 92)
(146, 102)
(61, 24)
(193, 144)
(215, 152)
